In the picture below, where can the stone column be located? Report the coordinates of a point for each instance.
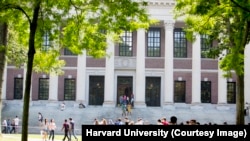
(140, 70)
(169, 67)
(53, 87)
(222, 84)
(4, 83)
(247, 74)
(196, 70)
(109, 94)
(24, 82)
(81, 93)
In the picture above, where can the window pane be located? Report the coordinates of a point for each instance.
(231, 92)
(206, 44)
(69, 89)
(68, 52)
(46, 42)
(18, 88)
(180, 43)
(43, 89)
(154, 43)
(126, 47)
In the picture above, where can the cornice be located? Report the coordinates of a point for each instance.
(161, 2)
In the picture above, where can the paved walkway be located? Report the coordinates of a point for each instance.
(204, 114)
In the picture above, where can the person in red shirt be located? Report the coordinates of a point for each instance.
(66, 128)
(164, 121)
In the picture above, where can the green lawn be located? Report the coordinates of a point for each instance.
(32, 137)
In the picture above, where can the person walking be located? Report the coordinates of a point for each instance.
(124, 109)
(40, 117)
(16, 121)
(72, 128)
(132, 100)
(44, 130)
(13, 127)
(8, 125)
(52, 128)
(129, 109)
(4, 125)
(65, 128)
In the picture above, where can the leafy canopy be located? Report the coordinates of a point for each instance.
(73, 24)
(225, 21)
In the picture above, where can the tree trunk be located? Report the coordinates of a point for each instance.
(3, 41)
(31, 54)
(240, 99)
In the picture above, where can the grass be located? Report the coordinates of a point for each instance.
(31, 137)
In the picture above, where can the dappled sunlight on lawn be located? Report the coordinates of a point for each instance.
(31, 137)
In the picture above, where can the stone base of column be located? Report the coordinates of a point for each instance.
(80, 103)
(109, 104)
(53, 100)
(140, 104)
(196, 106)
(52, 103)
(15, 102)
(168, 106)
(223, 106)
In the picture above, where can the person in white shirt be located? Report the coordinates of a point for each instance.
(62, 106)
(52, 128)
(16, 120)
(4, 126)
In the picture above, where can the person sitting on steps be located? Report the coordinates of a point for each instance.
(62, 106)
(81, 105)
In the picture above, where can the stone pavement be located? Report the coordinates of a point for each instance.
(204, 113)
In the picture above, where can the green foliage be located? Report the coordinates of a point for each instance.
(225, 22)
(17, 44)
(47, 62)
(2, 48)
(73, 24)
(47, 26)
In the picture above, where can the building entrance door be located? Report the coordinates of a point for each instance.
(124, 87)
(153, 91)
(96, 90)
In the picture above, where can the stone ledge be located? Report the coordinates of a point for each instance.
(196, 107)
(223, 108)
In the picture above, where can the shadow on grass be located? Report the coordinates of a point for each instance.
(31, 137)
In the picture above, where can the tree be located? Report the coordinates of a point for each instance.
(3, 41)
(228, 22)
(73, 24)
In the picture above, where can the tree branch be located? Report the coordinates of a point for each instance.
(12, 6)
(242, 7)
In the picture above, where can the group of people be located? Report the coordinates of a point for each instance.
(161, 121)
(140, 121)
(119, 121)
(10, 125)
(125, 99)
(126, 104)
(63, 106)
(126, 109)
(48, 128)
